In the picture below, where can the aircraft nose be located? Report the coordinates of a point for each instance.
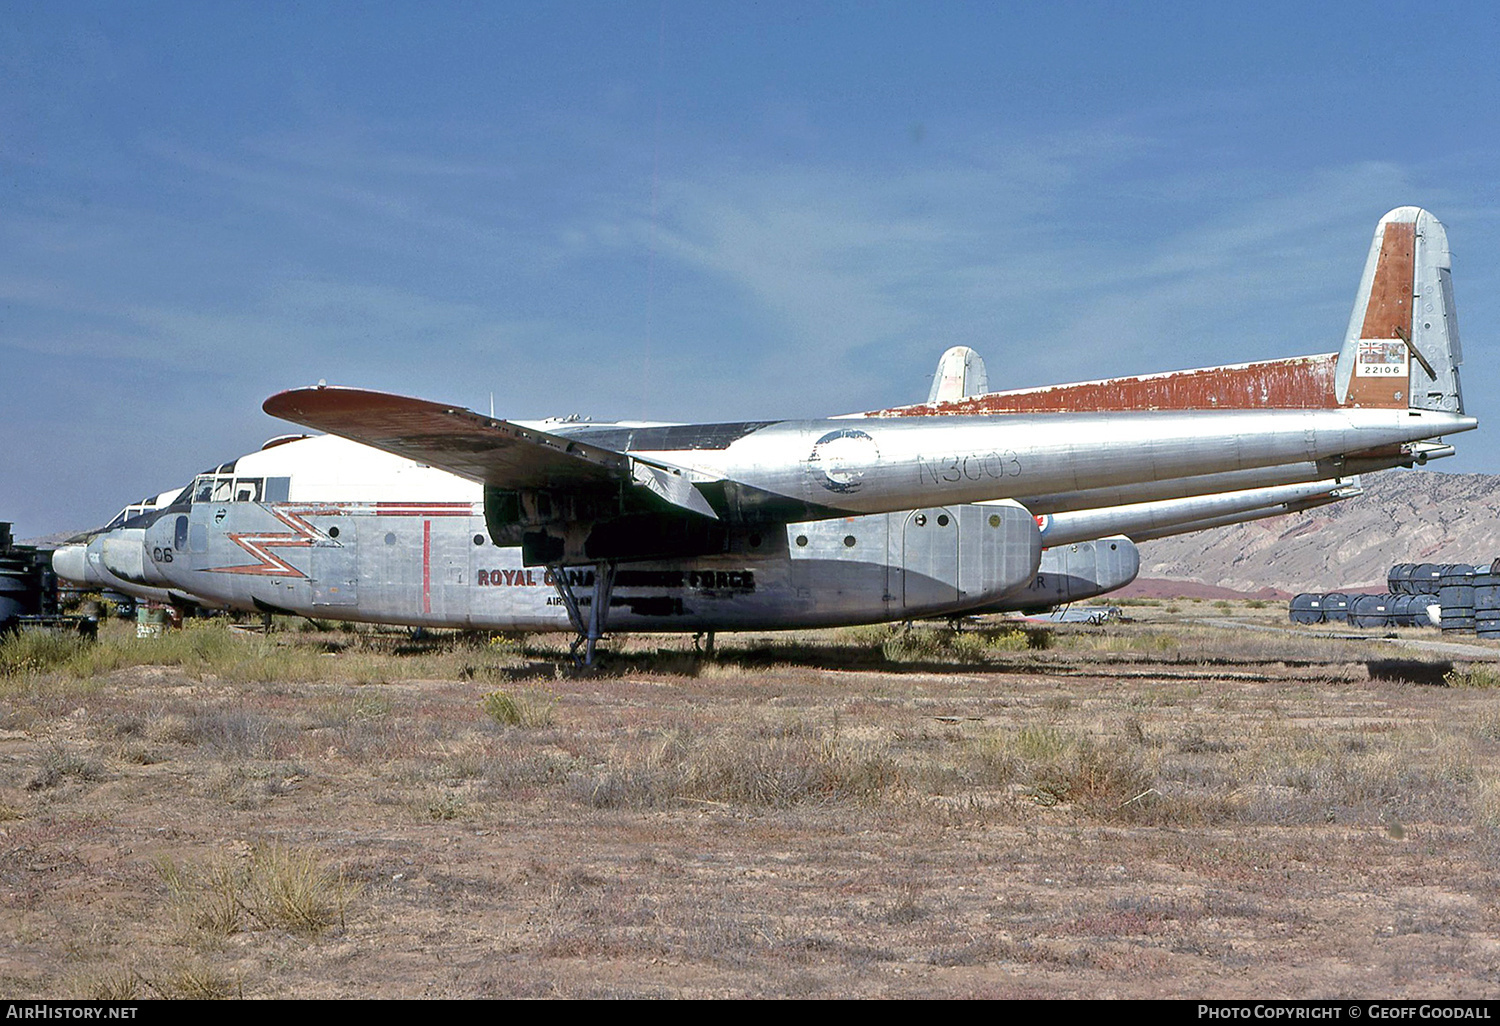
(123, 553)
(71, 564)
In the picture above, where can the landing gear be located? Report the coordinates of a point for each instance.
(591, 628)
(707, 637)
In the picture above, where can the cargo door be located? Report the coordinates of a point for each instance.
(929, 559)
(334, 572)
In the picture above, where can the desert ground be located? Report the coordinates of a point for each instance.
(1202, 802)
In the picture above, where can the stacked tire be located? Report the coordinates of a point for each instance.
(1487, 601)
(1456, 597)
(1307, 608)
(1425, 579)
(1413, 610)
(1399, 578)
(1372, 611)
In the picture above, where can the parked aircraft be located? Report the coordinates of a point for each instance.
(325, 527)
(465, 520)
(115, 557)
(1085, 553)
(84, 561)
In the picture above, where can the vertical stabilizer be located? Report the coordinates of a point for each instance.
(1402, 349)
(960, 375)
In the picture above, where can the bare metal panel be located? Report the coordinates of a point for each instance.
(929, 559)
(1071, 573)
(1158, 519)
(334, 568)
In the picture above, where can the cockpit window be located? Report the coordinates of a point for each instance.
(146, 505)
(129, 513)
(227, 488)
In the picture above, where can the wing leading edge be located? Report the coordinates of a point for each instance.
(496, 453)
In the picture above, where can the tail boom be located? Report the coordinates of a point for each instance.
(1401, 350)
(1297, 383)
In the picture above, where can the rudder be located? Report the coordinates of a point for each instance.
(960, 375)
(1401, 348)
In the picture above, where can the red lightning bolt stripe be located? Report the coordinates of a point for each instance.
(259, 543)
(303, 534)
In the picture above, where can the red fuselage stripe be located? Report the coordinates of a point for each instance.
(426, 566)
(397, 509)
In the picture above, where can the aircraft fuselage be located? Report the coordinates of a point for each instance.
(422, 562)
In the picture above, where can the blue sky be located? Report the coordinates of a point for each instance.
(692, 211)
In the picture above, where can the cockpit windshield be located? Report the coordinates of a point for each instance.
(228, 488)
(150, 504)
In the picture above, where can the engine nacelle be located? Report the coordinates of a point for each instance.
(1083, 570)
(919, 562)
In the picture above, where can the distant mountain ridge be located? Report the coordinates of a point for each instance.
(1404, 516)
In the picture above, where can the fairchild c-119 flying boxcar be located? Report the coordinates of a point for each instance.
(428, 514)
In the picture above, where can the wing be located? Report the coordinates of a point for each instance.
(496, 453)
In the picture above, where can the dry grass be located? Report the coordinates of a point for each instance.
(270, 888)
(527, 708)
(1478, 675)
(939, 644)
(1150, 809)
(218, 648)
(728, 768)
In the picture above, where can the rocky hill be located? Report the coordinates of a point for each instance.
(1404, 516)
